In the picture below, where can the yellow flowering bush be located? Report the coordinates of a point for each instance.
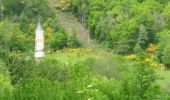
(81, 50)
(148, 60)
(48, 32)
(152, 62)
(62, 4)
(152, 48)
(131, 57)
(154, 65)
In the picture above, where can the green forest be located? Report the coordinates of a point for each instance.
(94, 50)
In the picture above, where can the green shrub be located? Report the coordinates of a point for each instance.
(58, 41)
(54, 72)
(166, 55)
(163, 53)
(26, 11)
(19, 65)
(6, 88)
(37, 89)
(82, 84)
(62, 40)
(141, 84)
(13, 39)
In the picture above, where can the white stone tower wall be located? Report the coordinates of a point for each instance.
(39, 42)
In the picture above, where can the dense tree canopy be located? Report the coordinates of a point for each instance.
(125, 25)
(128, 62)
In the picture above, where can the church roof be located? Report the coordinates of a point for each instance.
(39, 27)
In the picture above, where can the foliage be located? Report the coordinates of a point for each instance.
(6, 88)
(120, 26)
(80, 79)
(35, 89)
(141, 84)
(12, 38)
(163, 47)
(62, 39)
(125, 26)
(26, 9)
(152, 48)
(166, 55)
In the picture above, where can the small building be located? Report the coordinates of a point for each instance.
(39, 42)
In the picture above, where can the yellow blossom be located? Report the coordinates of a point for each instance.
(152, 48)
(154, 65)
(131, 57)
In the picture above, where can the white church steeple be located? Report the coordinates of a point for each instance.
(39, 42)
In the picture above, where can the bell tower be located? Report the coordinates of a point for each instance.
(39, 42)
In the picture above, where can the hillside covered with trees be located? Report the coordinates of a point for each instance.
(94, 50)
